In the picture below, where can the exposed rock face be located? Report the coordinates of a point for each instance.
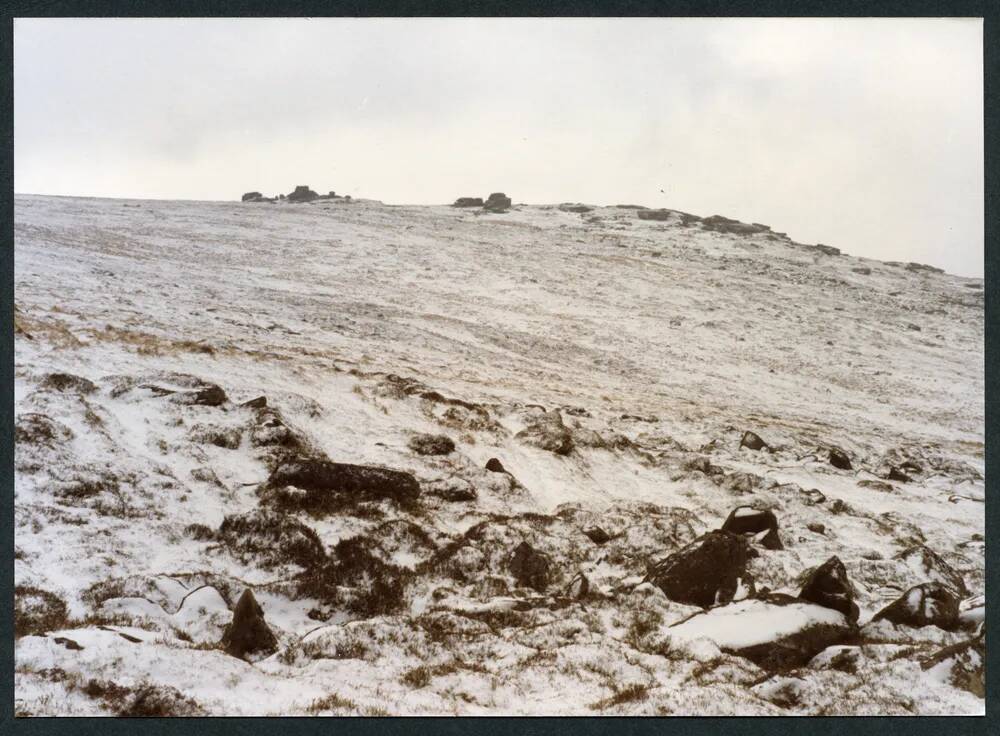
(829, 586)
(318, 482)
(497, 202)
(530, 567)
(184, 389)
(705, 572)
(748, 520)
(928, 604)
(720, 224)
(827, 250)
(654, 214)
(252, 196)
(248, 634)
(468, 202)
(432, 444)
(256, 403)
(495, 466)
(547, 432)
(578, 208)
(302, 193)
(964, 664)
(68, 382)
(839, 459)
(752, 441)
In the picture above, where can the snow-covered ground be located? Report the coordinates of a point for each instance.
(610, 363)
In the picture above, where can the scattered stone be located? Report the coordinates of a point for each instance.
(578, 587)
(828, 250)
(829, 586)
(918, 267)
(547, 432)
(898, 475)
(497, 202)
(816, 527)
(748, 520)
(252, 197)
(706, 572)
(468, 202)
(877, 485)
(68, 643)
(258, 403)
(495, 466)
(813, 496)
(530, 567)
(752, 440)
(578, 208)
(701, 464)
(432, 444)
(927, 604)
(839, 459)
(863, 270)
(67, 382)
(248, 633)
(597, 535)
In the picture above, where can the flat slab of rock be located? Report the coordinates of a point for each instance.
(772, 635)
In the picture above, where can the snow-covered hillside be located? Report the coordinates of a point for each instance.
(611, 364)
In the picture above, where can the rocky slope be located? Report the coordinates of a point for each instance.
(477, 463)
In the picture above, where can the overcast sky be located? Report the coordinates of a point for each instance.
(859, 133)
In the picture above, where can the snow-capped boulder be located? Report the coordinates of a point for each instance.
(829, 586)
(706, 572)
(748, 520)
(927, 564)
(928, 604)
(775, 634)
